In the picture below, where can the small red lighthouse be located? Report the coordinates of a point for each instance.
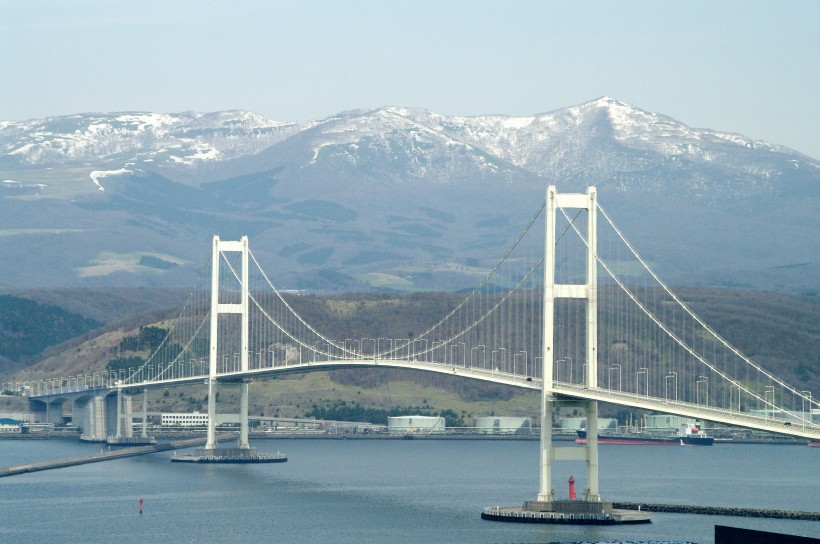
(571, 488)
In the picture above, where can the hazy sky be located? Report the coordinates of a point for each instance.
(738, 66)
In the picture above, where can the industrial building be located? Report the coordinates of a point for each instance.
(184, 420)
(415, 425)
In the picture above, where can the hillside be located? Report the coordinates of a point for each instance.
(27, 328)
(779, 331)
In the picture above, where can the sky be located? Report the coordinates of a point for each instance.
(749, 67)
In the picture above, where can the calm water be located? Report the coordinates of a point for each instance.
(372, 491)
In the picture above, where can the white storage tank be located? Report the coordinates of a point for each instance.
(415, 425)
(503, 425)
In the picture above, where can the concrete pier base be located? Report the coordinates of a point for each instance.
(565, 512)
(230, 455)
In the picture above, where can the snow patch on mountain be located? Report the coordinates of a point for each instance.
(600, 141)
(138, 136)
(97, 175)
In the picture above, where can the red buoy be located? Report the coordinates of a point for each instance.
(140, 506)
(571, 488)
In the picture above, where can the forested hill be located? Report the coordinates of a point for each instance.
(779, 331)
(28, 327)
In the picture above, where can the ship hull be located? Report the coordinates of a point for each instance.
(626, 440)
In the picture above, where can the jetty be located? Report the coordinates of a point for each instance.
(719, 510)
(106, 456)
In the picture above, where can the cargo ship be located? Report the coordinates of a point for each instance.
(687, 435)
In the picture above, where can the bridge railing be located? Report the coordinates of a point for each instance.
(805, 428)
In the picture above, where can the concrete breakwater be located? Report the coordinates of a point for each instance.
(105, 456)
(718, 510)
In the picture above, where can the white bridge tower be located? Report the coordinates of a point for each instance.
(218, 308)
(553, 291)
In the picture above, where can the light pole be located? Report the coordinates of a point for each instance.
(474, 356)
(769, 389)
(435, 349)
(645, 372)
(732, 396)
(379, 346)
(702, 380)
(671, 376)
(805, 395)
(611, 369)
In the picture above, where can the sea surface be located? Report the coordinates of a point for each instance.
(390, 491)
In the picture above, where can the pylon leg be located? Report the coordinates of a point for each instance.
(545, 493)
(243, 416)
(592, 494)
(211, 440)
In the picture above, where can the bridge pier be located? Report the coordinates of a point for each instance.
(92, 417)
(124, 435)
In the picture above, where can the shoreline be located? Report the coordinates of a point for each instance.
(379, 436)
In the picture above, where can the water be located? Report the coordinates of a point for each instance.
(386, 491)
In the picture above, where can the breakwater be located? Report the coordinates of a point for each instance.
(105, 456)
(719, 510)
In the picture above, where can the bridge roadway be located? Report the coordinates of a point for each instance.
(561, 389)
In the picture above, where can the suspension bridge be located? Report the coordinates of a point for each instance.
(571, 310)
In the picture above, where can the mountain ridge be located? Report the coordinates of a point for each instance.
(363, 193)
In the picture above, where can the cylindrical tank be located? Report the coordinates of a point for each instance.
(503, 425)
(415, 425)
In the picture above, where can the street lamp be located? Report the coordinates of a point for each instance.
(474, 356)
(769, 389)
(702, 380)
(645, 372)
(611, 369)
(671, 376)
(805, 395)
(732, 396)
(526, 363)
(434, 348)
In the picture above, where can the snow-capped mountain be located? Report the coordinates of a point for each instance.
(137, 137)
(103, 197)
